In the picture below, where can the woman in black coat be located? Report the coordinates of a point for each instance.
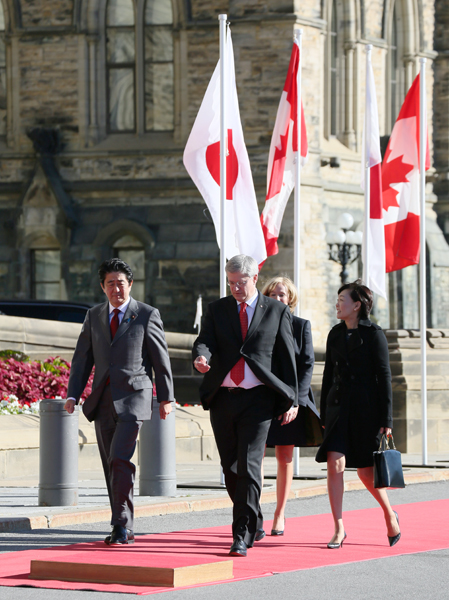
(305, 430)
(356, 403)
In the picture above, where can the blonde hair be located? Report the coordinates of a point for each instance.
(291, 289)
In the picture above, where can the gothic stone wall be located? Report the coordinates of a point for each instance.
(126, 184)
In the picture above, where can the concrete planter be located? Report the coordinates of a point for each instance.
(19, 442)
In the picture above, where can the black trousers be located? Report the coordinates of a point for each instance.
(117, 442)
(240, 421)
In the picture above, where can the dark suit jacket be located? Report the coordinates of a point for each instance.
(305, 359)
(356, 387)
(138, 348)
(305, 430)
(268, 348)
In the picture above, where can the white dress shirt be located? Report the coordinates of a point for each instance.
(250, 380)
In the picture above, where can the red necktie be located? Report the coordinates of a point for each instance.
(114, 322)
(238, 370)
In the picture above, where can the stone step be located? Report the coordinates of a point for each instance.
(413, 382)
(414, 368)
(407, 354)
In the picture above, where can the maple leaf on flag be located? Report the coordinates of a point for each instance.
(401, 169)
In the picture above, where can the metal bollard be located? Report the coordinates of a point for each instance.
(157, 455)
(58, 455)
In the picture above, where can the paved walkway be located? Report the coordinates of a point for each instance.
(19, 508)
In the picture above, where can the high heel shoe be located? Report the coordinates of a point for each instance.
(278, 531)
(394, 539)
(335, 545)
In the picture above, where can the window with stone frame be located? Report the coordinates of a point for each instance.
(159, 96)
(120, 65)
(139, 66)
(2, 73)
(340, 72)
(132, 251)
(395, 66)
(46, 274)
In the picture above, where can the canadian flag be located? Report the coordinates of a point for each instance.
(283, 155)
(202, 161)
(400, 186)
(372, 158)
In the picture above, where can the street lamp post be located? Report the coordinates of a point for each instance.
(344, 245)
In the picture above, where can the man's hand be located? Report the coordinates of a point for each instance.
(200, 364)
(289, 416)
(70, 406)
(164, 409)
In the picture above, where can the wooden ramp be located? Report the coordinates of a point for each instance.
(128, 575)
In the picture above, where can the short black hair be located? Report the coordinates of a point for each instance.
(359, 292)
(115, 265)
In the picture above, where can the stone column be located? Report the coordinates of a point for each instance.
(349, 132)
(92, 41)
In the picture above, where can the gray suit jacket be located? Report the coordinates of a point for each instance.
(138, 348)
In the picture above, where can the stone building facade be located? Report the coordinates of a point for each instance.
(97, 98)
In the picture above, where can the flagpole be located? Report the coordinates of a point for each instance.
(223, 134)
(297, 215)
(365, 256)
(422, 258)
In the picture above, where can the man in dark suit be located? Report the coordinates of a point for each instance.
(246, 351)
(125, 341)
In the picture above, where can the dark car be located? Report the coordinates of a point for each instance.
(53, 310)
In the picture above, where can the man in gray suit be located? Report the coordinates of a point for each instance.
(125, 341)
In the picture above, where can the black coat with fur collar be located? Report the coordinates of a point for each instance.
(356, 394)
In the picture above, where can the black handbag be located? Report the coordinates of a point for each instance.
(387, 466)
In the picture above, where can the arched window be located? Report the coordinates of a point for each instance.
(131, 250)
(139, 66)
(395, 65)
(340, 114)
(159, 101)
(394, 70)
(402, 36)
(2, 73)
(120, 57)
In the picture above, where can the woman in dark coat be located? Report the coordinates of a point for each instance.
(305, 430)
(356, 403)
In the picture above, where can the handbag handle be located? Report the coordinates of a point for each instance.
(384, 439)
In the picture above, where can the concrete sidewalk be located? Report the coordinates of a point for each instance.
(19, 508)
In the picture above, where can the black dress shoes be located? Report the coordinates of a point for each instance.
(119, 536)
(260, 534)
(238, 548)
(394, 539)
(336, 545)
(278, 531)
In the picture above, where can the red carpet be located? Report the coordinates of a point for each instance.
(302, 547)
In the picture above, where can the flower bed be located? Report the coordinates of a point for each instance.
(24, 383)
